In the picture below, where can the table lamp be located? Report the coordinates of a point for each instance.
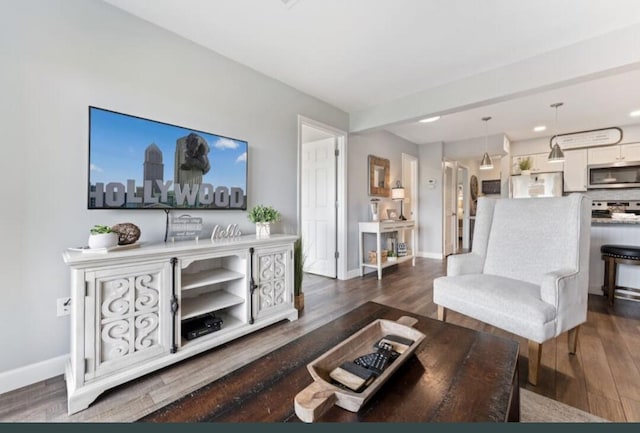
(397, 193)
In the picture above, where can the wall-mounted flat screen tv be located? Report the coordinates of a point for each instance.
(137, 163)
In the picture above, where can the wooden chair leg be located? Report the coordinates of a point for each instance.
(535, 355)
(605, 281)
(573, 340)
(442, 313)
(611, 284)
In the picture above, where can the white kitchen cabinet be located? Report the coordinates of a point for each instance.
(575, 170)
(630, 152)
(540, 163)
(129, 307)
(614, 153)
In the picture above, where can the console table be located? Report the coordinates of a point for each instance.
(379, 227)
(130, 309)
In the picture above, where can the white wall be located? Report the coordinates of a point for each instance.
(382, 144)
(59, 57)
(475, 147)
(430, 160)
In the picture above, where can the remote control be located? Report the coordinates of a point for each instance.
(377, 361)
(380, 361)
(365, 360)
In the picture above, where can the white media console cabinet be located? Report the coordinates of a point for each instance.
(128, 306)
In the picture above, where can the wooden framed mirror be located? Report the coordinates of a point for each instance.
(379, 177)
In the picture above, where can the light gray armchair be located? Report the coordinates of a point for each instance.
(528, 270)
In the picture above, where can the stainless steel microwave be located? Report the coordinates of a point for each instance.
(614, 175)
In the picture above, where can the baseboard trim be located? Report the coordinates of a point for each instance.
(353, 273)
(32, 373)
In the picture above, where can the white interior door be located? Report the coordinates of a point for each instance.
(449, 217)
(410, 183)
(318, 210)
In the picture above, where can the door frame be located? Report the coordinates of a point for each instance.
(453, 196)
(466, 230)
(410, 177)
(341, 186)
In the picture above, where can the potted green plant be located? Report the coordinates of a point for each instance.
(525, 165)
(262, 216)
(102, 236)
(392, 256)
(298, 274)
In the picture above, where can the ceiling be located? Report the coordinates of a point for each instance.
(359, 54)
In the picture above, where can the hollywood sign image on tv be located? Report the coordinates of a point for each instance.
(128, 165)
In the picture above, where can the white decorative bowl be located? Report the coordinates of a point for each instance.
(103, 240)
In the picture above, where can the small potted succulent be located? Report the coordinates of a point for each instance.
(262, 216)
(102, 236)
(392, 256)
(525, 165)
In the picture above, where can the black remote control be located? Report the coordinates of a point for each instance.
(365, 360)
(378, 360)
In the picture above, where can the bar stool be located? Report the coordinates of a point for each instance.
(612, 256)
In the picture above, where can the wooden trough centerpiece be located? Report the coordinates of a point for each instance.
(324, 391)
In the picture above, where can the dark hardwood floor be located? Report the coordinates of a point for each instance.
(603, 378)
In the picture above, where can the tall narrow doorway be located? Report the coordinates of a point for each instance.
(449, 214)
(320, 169)
(410, 183)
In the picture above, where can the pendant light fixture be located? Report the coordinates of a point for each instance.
(486, 163)
(556, 154)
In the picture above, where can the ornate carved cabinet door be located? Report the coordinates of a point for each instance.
(274, 280)
(127, 316)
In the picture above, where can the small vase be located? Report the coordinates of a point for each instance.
(103, 240)
(374, 211)
(263, 230)
(298, 302)
(525, 172)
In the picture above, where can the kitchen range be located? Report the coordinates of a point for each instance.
(615, 222)
(615, 209)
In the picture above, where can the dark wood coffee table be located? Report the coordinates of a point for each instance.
(456, 375)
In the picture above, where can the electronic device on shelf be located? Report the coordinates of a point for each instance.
(200, 325)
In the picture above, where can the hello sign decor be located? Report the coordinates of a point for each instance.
(232, 231)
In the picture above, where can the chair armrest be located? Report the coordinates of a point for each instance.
(560, 288)
(461, 264)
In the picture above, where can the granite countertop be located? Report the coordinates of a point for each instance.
(610, 221)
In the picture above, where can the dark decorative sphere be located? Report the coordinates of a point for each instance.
(127, 233)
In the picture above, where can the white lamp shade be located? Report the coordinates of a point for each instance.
(397, 193)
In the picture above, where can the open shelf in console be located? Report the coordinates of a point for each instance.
(229, 323)
(217, 285)
(209, 277)
(208, 302)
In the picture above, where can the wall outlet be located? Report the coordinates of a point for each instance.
(63, 306)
